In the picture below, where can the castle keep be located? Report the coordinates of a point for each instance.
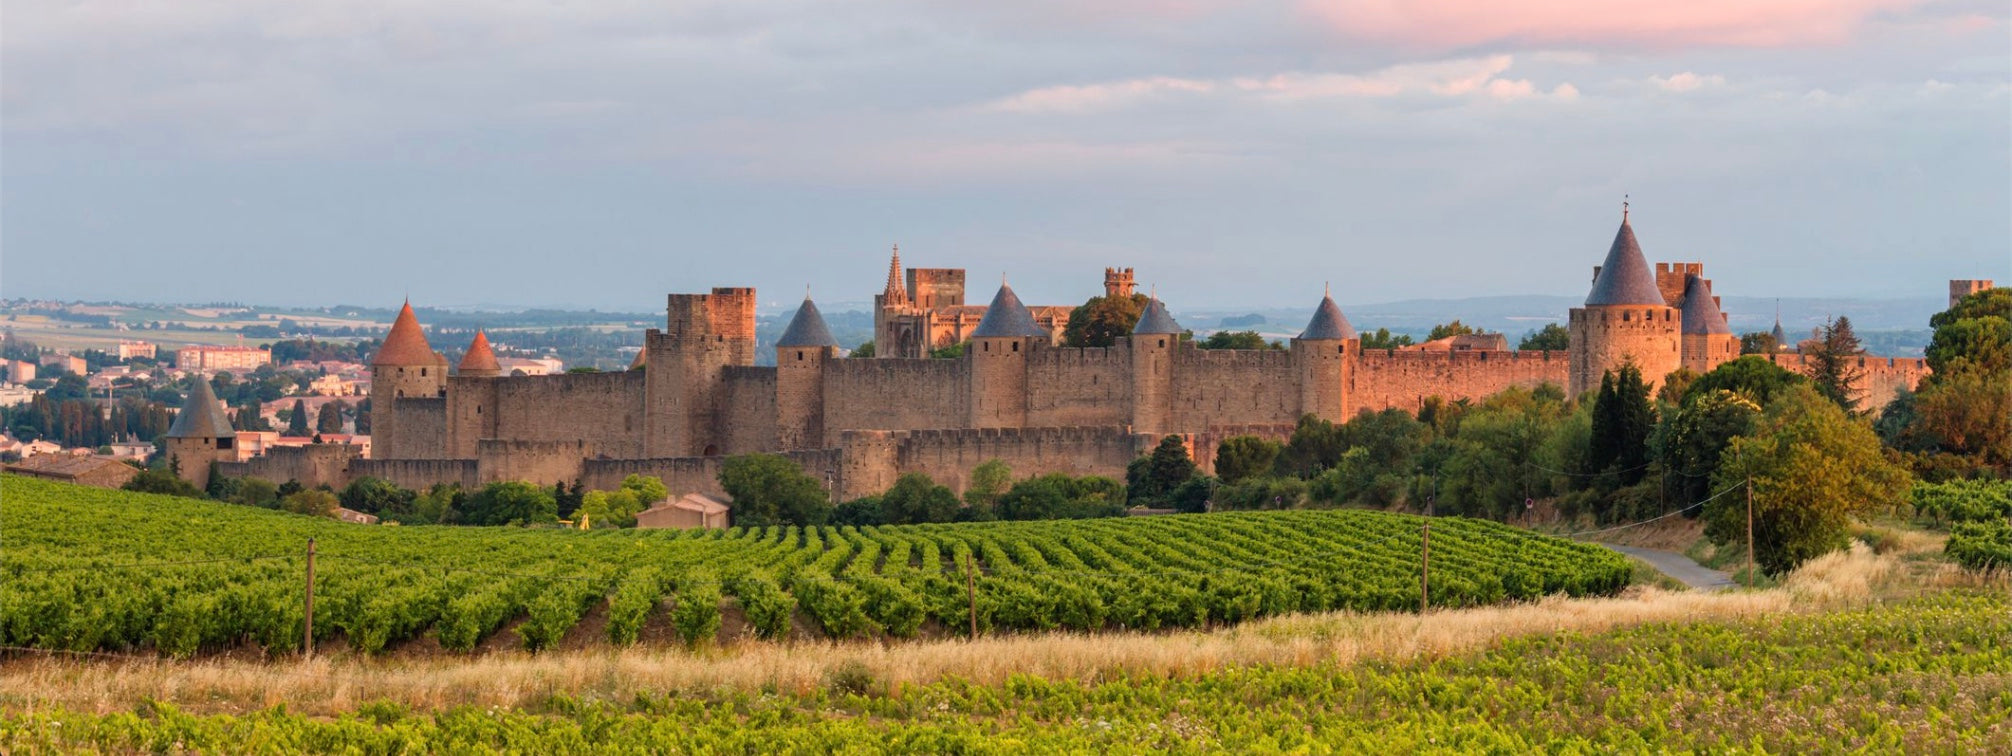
(695, 395)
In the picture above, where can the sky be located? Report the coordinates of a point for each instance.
(602, 154)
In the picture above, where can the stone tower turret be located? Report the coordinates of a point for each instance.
(1154, 342)
(703, 335)
(480, 361)
(997, 356)
(1707, 341)
(1118, 282)
(1324, 356)
(405, 367)
(200, 434)
(1960, 288)
(799, 379)
(1625, 320)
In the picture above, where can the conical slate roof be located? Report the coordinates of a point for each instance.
(1155, 320)
(1701, 312)
(201, 416)
(406, 344)
(1625, 278)
(1780, 336)
(480, 358)
(807, 329)
(1328, 324)
(1007, 318)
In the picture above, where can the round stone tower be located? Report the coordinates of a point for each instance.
(480, 361)
(1155, 339)
(997, 356)
(799, 378)
(1625, 320)
(201, 434)
(405, 367)
(1324, 356)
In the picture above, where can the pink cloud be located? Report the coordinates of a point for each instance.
(1447, 24)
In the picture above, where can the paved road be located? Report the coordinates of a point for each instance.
(1678, 566)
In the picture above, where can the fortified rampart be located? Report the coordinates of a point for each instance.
(695, 397)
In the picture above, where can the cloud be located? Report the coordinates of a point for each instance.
(1452, 24)
(1461, 77)
(1687, 81)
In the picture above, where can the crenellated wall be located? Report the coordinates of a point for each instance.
(602, 409)
(1880, 378)
(893, 394)
(1072, 386)
(1402, 379)
(313, 465)
(417, 474)
(1214, 387)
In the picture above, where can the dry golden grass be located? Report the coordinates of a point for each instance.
(325, 686)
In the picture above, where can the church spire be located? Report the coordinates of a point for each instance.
(895, 294)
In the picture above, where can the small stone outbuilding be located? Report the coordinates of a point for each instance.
(693, 510)
(81, 469)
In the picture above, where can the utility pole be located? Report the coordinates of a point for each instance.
(971, 592)
(307, 626)
(1750, 532)
(1424, 566)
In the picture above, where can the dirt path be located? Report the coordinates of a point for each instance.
(1683, 568)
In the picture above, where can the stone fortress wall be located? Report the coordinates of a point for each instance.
(695, 396)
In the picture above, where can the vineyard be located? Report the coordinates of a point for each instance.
(94, 570)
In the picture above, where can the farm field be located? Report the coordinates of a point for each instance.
(94, 570)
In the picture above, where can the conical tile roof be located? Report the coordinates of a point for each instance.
(1007, 318)
(406, 344)
(807, 329)
(201, 415)
(1155, 320)
(480, 358)
(1701, 312)
(1625, 278)
(1328, 324)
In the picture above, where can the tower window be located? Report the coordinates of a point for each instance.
(224, 443)
(1016, 346)
(1627, 316)
(422, 372)
(799, 355)
(1341, 349)
(1163, 343)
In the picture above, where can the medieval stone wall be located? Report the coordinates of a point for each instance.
(422, 429)
(601, 409)
(417, 474)
(1605, 337)
(543, 462)
(893, 394)
(1214, 387)
(948, 456)
(1068, 386)
(1880, 378)
(1402, 379)
(315, 465)
(747, 413)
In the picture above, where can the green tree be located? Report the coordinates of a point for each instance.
(952, 352)
(1551, 338)
(1975, 334)
(769, 489)
(862, 351)
(1833, 363)
(1240, 457)
(256, 492)
(1443, 330)
(1623, 418)
(296, 421)
(1382, 339)
(916, 499)
(1101, 321)
(1151, 478)
(1236, 340)
(1316, 444)
(988, 480)
(1813, 467)
(375, 496)
(610, 509)
(163, 481)
(1692, 442)
(1752, 377)
(1959, 423)
(1757, 343)
(511, 502)
(648, 489)
(329, 418)
(309, 502)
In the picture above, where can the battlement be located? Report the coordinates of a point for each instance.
(1670, 279)
(1191, 355)
(1118, 282)
(1962, 287)
(1472, 356)
(727, 314)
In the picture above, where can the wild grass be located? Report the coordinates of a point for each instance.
(328, 686)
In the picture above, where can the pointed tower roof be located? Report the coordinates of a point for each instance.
(896, 293)
(1780, 336)
(406, 343)
(807, 329)
(1007, 318)
(1625, 278)
(480, 360)
(201, 416)
(1155, 319)
(1328, 324)
(1701, 312)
